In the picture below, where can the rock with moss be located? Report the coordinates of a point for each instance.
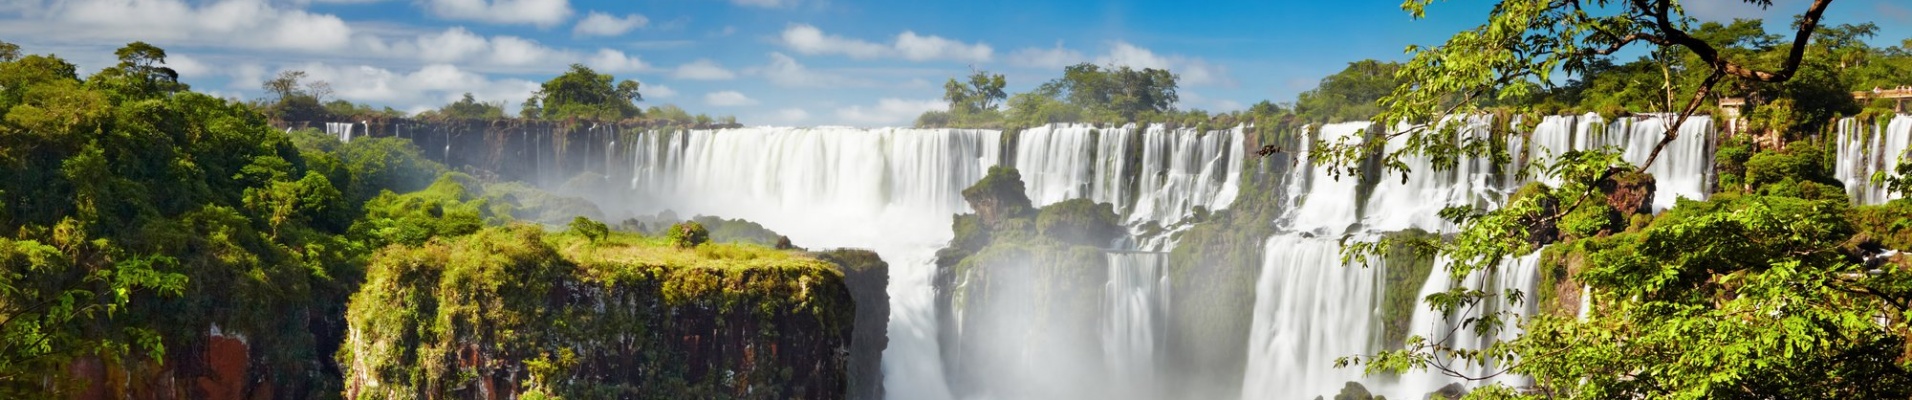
(999, 196)
(688, 234)
(1022, 280)
(511, 311)
(869, 279)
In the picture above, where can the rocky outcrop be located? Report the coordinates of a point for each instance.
(503, 314)
(869, 280)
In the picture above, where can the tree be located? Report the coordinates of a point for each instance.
(584, 93)
(983, 92)
(1760, 295)
(294, 98)
(1122, 91)
(469, 107)
(1350, 94)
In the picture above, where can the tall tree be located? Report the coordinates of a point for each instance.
(584, 93)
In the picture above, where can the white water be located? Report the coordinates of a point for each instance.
(894, 190)
(1327, 205)
(1518, 273)
(1180, 169)
(1684, 168)
(1309, 310)
(1416, 202)
(1864, 150)
(1135, 315)
(891, 190)
(341, 130)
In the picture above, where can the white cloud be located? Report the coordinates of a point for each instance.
(245, 23)
(1052, 58)
(543, 13)
(187, 66)
(607, 60)
(728, 98)
(923, 48)
(601, 24)
(787, 72)
(656, 91)
(765, 3)
(792, 115)
(1193, 71)
(429, 87)
(808, 39)
(703, 70)
(511, 50)
(889, 112)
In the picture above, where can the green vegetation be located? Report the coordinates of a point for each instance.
(141, 216)
(456, 314)
(688, 234)
(1772, 288)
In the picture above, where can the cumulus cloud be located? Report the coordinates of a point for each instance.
(728, 98)
(908, 45)
(543, 13)
(656, 91)
(601, 24)
(888, 112)
(245, 23)
(187, 66)
(459, 45)
(1051, 58)
(1193, 71)
(793, 115)
(428, 87)
(703, 70)
(787, 72)
(607, 60)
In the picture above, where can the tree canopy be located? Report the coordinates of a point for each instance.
(584, 93)
(1767, 290)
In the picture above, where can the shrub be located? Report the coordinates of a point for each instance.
(689, 234)
(593, 230)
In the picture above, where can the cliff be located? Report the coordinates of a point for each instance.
(512, 312)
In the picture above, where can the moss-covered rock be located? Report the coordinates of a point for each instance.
(1080, 222)
(869, 279)
(999, 196)
(510, 310)
(1408, 265)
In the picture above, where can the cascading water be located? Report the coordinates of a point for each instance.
(1867, 149)
(1135, 301)
(1416, 202)
(894, 190)
(1328, 203)
(1684, 168)
(1309, 310)
(1520, 273)
(891, 190)
(341, 130)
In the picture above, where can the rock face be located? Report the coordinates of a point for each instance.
(502, 314)
(1629, 193)
(869, 281)
(999, 197)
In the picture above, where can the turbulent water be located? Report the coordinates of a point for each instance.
(1683, 169)
(1866, 149)
(894, 190)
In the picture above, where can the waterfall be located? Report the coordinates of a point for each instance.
(1309, 310)
(341, 130)
(1683, 170)
(1055, 162)
(1415, 202)
(1519, 273)
(1866, 149)
(1328, 204)
(1179, 169)
(891, 190)
(1135, 302)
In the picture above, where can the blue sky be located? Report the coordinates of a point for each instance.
(776, 62)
